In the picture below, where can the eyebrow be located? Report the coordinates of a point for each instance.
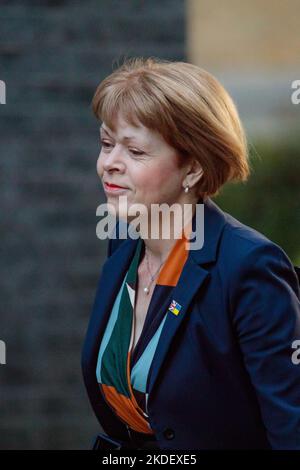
(125, 138)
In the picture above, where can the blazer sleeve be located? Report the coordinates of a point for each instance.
(265, 309)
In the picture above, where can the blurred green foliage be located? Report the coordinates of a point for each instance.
(270, 200)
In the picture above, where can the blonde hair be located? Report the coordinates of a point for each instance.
(187, 106)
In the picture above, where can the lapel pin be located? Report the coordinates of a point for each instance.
(175, 307)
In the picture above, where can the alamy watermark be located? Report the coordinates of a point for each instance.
(295, 96)
(2, 92)
(161, 222)
(296, 354)
(2, 352)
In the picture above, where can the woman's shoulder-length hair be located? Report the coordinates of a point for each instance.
(188, 106)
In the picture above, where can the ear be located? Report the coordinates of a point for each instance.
(194, 173)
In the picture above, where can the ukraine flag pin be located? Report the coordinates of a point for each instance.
(175, 307)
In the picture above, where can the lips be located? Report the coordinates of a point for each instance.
(110, 185)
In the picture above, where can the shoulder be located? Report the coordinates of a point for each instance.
(248, 260)
(244, 244)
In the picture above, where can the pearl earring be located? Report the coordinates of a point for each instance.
(186, 189)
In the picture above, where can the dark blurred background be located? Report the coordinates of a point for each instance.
(53, 54)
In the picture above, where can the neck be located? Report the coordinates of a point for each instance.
(159, 248)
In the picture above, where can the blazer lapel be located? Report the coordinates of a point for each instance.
(192, 278)
(190, 281)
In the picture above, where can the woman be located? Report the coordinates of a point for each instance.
(186, 348)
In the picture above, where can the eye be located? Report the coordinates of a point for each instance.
(105, 144)
(136, 152)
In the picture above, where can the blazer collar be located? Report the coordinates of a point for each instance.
(192, 278)
(214, 221)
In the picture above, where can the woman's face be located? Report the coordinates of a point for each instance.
(139, 160)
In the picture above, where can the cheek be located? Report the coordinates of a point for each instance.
(159, 184)
(148, 181)
(162, 177)
(99, 166)
(157, 177)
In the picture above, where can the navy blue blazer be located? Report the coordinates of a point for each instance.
(222, 375)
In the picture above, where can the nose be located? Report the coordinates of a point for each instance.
(113, 160)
